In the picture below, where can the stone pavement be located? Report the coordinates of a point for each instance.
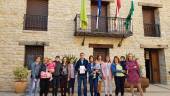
(153, 90)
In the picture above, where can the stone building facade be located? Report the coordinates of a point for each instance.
(58, 36)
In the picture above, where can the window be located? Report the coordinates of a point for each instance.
(151, 22)
(31, 52)
(103, 19)
(36, 17)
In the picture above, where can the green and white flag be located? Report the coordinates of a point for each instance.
(129, 17)
(83, 15)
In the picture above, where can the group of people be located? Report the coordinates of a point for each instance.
(62, 73)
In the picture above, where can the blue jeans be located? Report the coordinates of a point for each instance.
(33, 87)
(80, 80)
(93, 86)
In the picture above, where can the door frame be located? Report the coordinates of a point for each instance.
(26, 53)
(150, 50)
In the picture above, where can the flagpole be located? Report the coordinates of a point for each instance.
(83, 38)
(120, 43)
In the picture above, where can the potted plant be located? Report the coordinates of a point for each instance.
(20, 74)
(71, 57)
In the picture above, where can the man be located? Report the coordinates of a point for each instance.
(82, 67)
(35, 68)
(56, 76)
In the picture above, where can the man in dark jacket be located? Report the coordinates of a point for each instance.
(56, 76)
(82, 67)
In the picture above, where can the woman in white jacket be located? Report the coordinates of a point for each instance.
(107, 76)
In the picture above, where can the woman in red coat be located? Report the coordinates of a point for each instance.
(133, 75)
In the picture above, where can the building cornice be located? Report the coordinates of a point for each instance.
(150, 4)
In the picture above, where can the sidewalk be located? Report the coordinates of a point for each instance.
(153, 90)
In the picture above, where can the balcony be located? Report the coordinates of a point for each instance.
(152, 30)
(35, 22)
(106, 27)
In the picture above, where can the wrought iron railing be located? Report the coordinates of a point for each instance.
(105, 25)
(152, 30)
(35, 22)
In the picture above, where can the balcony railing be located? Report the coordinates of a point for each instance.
(35, 22)
(152, 30)
(106, 27)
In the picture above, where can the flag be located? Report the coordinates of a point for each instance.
(98, 13)
(129, 17)
(118, 6)
(83, 15)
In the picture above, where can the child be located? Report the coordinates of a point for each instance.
(51, 65)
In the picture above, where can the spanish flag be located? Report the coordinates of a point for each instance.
(118, 6)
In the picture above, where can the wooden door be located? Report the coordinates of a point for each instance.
(36, 15)
(149, 20)
(101, 51)
(102, 25)
(37, 7)
(155, 66)
(31, 52)
(148, 15)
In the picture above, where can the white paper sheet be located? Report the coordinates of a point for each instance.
(82, 69)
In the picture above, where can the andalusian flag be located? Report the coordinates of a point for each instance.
(129, 17)
(98, 13)
(83, 15)
(118, 6)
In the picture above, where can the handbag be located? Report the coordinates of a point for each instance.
(44, 75)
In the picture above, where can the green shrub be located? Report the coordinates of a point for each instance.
(71, 57)
(20, 73)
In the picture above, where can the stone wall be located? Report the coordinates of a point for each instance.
(60, 34)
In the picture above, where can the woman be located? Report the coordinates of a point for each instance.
(107, 76)
(64, 76)
(133, 76)
(71, 77)
(35, 68)
(119, 72)
(44, 78)
(98, 70)
(93, 78)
